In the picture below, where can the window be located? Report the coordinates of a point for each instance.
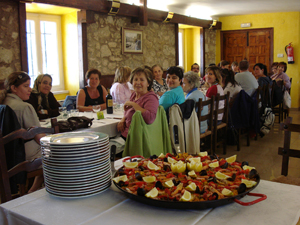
(180, 47)
(44, 48)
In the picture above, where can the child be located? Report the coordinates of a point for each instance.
(214, 80)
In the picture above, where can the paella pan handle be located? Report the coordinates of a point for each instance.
(262, 197)
(132, 157)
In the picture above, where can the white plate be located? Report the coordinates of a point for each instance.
(77, 164)
(73, 138)
(81, 195)
(76, 147)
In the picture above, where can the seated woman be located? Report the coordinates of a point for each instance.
(190, 85)
(42, 99)
(229, 83)
(159, 83)
(142, 99)
(281, 75)
(121, 88)
(92, 94)
(214, 80)
(261, 74)
(17, 90)
(175, 94)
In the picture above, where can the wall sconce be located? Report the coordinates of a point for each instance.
(115, 5)
(214, 23)
(169, 17)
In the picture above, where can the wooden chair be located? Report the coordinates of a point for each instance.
(286, 151)
(286, 111)
(208, 117)
(278, 109)
(222, 127)
(30, 167)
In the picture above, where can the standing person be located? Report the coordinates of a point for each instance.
(42, 99)
(214, 81)
(190, 85)
(17, 90)
(142, 99)
(281, 75)
(246, 79)
(175, 94)
(92, 94)
(159, 83)
(235, 67)
(261, 74)
(121, 88)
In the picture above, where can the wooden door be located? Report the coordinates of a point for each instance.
(255, 45)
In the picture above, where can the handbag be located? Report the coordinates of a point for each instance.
(74, 123)
(286, 99)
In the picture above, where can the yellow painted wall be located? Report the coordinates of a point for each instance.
(70, 53)
(191, 47)
(286, 27)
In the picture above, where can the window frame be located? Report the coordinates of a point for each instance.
(37, 18)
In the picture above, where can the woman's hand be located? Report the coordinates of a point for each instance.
(121, 125)
(129, 104)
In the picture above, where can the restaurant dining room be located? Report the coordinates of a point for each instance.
(147, 111)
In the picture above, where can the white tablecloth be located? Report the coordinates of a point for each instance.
(113, 207)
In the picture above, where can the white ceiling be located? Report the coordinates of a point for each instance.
(217, 8)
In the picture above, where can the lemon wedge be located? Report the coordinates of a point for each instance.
(191, 187)
(171, 160)
(248, 168)
(152, 166)
(227, 192)
(169, 183)
(153, 193)
(120, 178)
(192, 173)
(202, 154)
(197, 167)
(187, 196)
(214, 164)
(221, 176)
(249, 183)
(161, 155)
(178, 167)
(196, 160)
(131, 164)
(149, 179)
(231, 159)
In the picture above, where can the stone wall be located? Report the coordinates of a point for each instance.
(210, 47)
(104, 41)
(9, 38)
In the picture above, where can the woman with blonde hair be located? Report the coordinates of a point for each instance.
(17, 90)
(121, 89)
(42, 99)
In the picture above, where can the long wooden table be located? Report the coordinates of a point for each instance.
(113, 207)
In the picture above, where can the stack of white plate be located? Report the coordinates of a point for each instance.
(76, 164)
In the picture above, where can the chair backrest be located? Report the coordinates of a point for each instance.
(223, 110)
(148, 139)
(27, 166)
(208, 117)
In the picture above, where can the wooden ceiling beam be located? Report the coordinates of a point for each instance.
(143, 15)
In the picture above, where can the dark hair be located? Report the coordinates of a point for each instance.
(228, 76)
(284, 66)
(274, 64)
(16, 79)
(244, 65)
(212, 64)
(224, 63)
(262, 67)
(148, 75)
(92, 71)
(175, 70)
(195, 64)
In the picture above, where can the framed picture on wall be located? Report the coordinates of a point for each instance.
(132, 41)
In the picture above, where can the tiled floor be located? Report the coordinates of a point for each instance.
(263, 153)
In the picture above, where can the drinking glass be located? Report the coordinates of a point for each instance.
(74, 112)
(63, 112)
(96, 108)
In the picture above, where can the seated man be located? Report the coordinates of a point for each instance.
(195, 68)
(246, 79)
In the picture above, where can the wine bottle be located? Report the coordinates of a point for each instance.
(109, 103)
